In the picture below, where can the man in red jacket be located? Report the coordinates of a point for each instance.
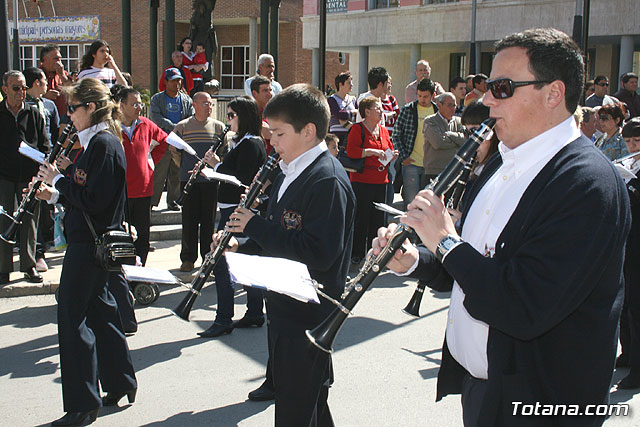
(137, 136)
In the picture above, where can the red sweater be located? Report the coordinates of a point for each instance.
(139, 171)
(370, 174)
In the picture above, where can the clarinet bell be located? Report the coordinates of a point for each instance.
(9, 235)
(413, 307)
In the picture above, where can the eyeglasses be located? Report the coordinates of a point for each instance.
(72, 108)
(504, 88)
(207, 103)
(603, 84)
(137, 105)
(231, 115)
(19, 88)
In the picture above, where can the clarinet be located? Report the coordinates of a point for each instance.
(28, 202)
(413, 307)
(323, 335)
(199, 166)
(212, 258)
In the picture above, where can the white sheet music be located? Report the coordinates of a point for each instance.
(279, 275)
(210, 174)
(176, 141)
(135, 273)
(624, 172)
(31, 153)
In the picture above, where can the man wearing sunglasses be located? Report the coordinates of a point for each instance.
(19, 123)
(537, 260)
(600, 97)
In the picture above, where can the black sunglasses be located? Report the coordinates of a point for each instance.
(603, 84)
(504, 88)
(72, 108)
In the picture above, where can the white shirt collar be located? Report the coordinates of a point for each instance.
(541, 147)
(85, 135)
(246, 136)
(293, 170)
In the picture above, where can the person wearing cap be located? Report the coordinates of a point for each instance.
(168, 108)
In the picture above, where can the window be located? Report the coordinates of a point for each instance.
(30, 55)
(383, 4)
(457, 65)
(234, 66)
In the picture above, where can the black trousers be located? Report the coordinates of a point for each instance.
(166, 170)
(92, 344)
(368, 218)
(198, 210)
(301, 379)
(140, 218)
(473, 391)
(10, 196)
(630, 317)
(45, 229)
(119, 288)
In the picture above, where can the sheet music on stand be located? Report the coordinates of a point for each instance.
(135, 273)
(279, 275)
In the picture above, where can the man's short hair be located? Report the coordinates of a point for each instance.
(299, 105)
(263, 58)
(426, 85)
(31, 74)
(376, 76)
(331, 138)
(342, 78)
(10, 73)
(479, 78)
(455, 81)
(444, 96)
(553, 55)
(600, 78)
(123, 93)
(46, 49)
(628, 76)
(425, 62)
(631, 129)
(257, 82)
(588, 114)
(475, 113)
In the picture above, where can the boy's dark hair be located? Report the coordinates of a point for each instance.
(631, 129)
(479, 78)
(342, 78)
(31, 74)
(600, 78)
(331, 138)
(87, 58)
(121, 93)
(474, 113)
(298, 105)
(426, 85)
(376, 76)
(628, 76)
(258, 81)
(249, 121)
(454, 82)
(46, 49)
(553, 55)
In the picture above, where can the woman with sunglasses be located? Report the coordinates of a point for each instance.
(243, 161)
(92, 343)
(611, 142)
(99, 64)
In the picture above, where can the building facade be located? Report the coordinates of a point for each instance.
(397, 33)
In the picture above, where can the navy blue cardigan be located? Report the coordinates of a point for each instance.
(551, 294)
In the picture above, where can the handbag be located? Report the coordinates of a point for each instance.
(113, 248)
(349, 163)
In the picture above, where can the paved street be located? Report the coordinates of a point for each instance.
(385, 363)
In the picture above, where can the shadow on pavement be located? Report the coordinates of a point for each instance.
(30, 317)
(24, 360)
(226, 415)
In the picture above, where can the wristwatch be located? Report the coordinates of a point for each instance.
(446, 245)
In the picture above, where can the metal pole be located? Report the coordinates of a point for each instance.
(323, 45)
(473, 69)
(578, 25)
(585, 30)
(5, 52)
(126, 35)
(274, 18)
(153, 45)
(264, 28)
(16, 37)
(169, 29)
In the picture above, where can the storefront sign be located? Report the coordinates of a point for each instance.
(58, 29)
(336, 6)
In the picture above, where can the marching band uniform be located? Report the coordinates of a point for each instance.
(92, 343)
(309, 219)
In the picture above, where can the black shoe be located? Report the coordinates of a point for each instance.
(152, 248)
(173, 207)
(262, 393)
(77, 418)
(33, 276)
(247, 322)
(216, 330)
(629, 382)
(4, 278)
(112, 398)
(622, 361)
